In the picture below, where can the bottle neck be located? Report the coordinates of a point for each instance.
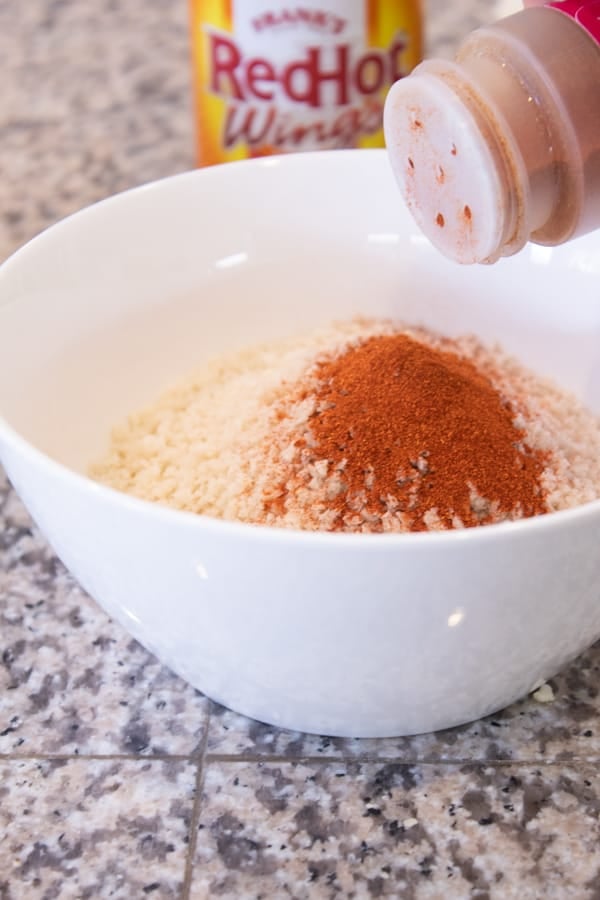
(519, 122)
(530, 68)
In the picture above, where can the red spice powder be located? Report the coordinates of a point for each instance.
(415, 429)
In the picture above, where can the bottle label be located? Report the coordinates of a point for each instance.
(274, 78)
(585, 12)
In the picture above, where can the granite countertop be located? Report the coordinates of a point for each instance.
(119, 780)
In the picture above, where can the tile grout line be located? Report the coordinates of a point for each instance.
(397, 760)
(202, 757)
(201, 762)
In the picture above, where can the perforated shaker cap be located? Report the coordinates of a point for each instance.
(449, 172)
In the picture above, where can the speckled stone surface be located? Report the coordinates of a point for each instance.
(359, 829)
(94, 828)
(116, 778)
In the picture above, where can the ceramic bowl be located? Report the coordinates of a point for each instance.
(364, 635)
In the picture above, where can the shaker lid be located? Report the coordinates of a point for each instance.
(448, 165)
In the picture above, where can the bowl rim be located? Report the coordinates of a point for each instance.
(316, 157)
(255, 531)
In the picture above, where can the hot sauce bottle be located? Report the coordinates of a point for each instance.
(273, 77)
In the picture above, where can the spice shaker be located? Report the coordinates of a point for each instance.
(502, 146)
(273, 78)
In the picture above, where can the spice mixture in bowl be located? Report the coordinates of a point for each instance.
(361, 427)
(301, 357)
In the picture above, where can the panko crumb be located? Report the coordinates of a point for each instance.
(216, 443)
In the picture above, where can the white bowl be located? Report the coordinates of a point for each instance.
(338, 634)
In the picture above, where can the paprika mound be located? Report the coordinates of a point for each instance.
(414, 431)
